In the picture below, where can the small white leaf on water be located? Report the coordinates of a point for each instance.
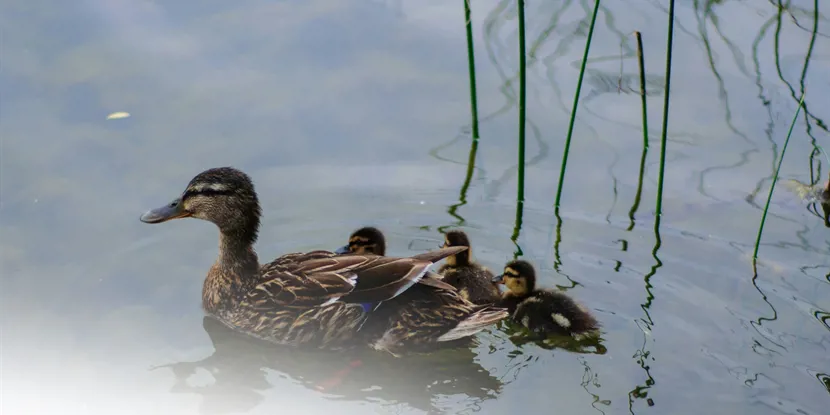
(118, 115)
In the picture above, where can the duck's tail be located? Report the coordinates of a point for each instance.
(475, 323)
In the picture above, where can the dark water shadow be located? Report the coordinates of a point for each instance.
(239, 366)
(705, 15)
(452, 210)
(642, 356)
(808, 115)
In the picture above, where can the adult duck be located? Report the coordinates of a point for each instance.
(318, 298)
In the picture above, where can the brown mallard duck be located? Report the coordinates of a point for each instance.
(318, 298)
(472, 280)
(544, 312)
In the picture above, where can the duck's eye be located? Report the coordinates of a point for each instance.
(174, 203)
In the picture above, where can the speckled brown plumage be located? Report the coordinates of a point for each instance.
(317, 299)
(472, 280)
(369, 240)
(424, 312)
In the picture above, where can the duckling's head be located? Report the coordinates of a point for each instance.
(519, 277)
(457, 238)
(224, 196)
(366, 240)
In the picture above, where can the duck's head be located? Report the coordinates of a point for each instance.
(457, 238)
(224, 196)
(366, 240)
(519, 277)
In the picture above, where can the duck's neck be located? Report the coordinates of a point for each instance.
(237, 256)
(234, 273)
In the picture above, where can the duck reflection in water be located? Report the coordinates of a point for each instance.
(239, 366)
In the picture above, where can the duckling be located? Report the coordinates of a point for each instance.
(317, 299)
(543, 311)
(472, 280)
(369, 240)
(366, 240)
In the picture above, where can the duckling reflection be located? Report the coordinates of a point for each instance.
(545, 313)
(240, 363)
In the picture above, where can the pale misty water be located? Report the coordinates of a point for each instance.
(354, 113)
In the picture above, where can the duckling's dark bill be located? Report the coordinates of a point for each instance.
(342, 250)
(499, 279)
(173, 210)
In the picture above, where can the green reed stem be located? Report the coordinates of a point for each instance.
(664, 136)
(639, 194)
(517, 229)
(520, 197)
(575, 104)
(774, 180)
(522, 100)
(643, 95)
(471, 64)
(642, 86)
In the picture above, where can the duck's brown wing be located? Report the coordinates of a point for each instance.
(314, 279)
(439, 254)
(435, 280)
(388, 277)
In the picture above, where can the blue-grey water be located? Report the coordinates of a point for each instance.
(349, 113)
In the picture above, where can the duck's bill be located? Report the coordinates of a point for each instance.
(498, 279)
(167, 212)
(342, 250)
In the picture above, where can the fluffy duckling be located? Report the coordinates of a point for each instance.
(473, 281)
(542, 311)
(366, 240)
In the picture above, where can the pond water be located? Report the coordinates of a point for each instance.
(356, 113)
